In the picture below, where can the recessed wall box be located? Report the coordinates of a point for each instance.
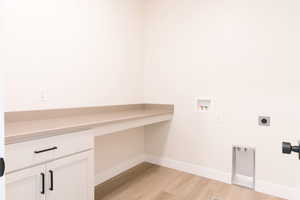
(203, 105)
(243, 166)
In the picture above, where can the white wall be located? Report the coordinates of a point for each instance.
(118, 150)
(244, 55)
(77, 52)
(81, 53)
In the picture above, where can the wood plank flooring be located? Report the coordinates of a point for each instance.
(160, 183)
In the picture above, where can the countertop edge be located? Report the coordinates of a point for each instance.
(29, 136)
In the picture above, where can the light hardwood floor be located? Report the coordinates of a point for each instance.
(160, 183)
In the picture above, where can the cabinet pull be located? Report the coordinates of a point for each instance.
(2, 167)
(51, 181)
(45, 150)
(43, 183)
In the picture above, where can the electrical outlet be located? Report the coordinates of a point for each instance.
(44, 96)
(264, 120)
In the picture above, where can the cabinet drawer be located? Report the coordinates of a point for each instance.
(25, 154)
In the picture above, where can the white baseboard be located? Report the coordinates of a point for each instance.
(276, 190)
(190, 168)
(122, 167)
(261, 186)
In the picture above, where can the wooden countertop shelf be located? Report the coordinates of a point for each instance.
(30, 125)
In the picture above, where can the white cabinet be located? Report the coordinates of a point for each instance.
(56, 168)
(25, 154)
(71, 178)
(66, 178)
(26, 184)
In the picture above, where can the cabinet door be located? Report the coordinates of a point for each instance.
(26, 184)
(71, 178)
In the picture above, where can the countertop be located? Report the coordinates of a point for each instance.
(28, 125)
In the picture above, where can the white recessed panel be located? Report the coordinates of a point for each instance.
(203, 104)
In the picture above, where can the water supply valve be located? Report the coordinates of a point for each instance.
(287, 148)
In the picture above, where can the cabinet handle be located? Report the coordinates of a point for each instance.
(44, 150)
(51, 181)
(43, 183)
(2, 167)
